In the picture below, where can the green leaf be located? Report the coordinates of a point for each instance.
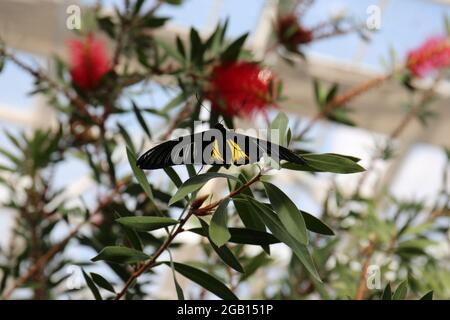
(280, 123)
(196, 47)
(2, 62)
(231, 53)
(131, 234)
(154, 22)
(218, 230)
(139, 174)
(176, 101)
(179, 290)
(315, 225)
(245, 236)
(102, 282)
(288, 213)
(141, 120)
(147, 223)
(428, 296)
(206, 280)
(325, 163)
(180, 46)
(332, 93)
(223, 252)
(91, 286)
(274, 224)
(137, 6)
(245, 212)
(402, 290)
(195, 183)
(254, 264)
(387, 293)
(173, 176)
(172, 52)
(120, 254)
(319, 93)
(127, 138)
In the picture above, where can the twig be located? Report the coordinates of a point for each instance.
(368, 252)
(344, 98)
(399, 129)
(39, 75)
(178, 229)
(43, 260)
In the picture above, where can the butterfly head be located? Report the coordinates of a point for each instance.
(219, 126)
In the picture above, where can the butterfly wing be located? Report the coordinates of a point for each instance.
(198, 148)
(245, 149)
(159, 156)
(214, 147)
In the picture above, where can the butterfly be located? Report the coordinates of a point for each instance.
(216, 146)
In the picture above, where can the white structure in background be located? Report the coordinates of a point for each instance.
(39, 28)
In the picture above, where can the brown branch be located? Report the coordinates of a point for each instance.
(340, 100)
(43, 260)
(207, 210)
(192, 211)
(368, 252)
(400, 128)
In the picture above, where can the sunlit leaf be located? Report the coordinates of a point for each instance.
(218, 230)
(287, 212)
(120, 254)
(146, 223)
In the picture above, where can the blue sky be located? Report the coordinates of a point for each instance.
(406, 24)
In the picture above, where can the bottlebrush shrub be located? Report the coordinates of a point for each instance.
(131, 223)
(290, 33)
(241, 88)
(89, 62)
(431, 56)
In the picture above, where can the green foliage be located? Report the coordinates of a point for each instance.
(132, 219)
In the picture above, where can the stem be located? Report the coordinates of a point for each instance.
(341, 100)
(400, 128)
(42, 261)
(369, 250)
(150, 263)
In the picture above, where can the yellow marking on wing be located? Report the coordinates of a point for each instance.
(215, 153)
(236, 151)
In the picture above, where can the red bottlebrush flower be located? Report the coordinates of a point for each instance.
(431, 56)
(89, 62)
(240, 88)
(290, 33)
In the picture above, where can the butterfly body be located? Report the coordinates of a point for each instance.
(217, 146)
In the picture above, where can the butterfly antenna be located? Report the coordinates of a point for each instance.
(201, 104)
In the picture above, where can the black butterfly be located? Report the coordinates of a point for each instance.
(216, 146)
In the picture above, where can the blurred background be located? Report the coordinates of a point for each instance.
(36, 31)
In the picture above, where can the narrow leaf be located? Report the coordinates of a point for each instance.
(402, 290)
(231, 53)
(428, 296)
(120, 254)
(223, 252)
(245, 236)
(387, 293)
(91, 286)
(288, 213)
(102, 282)
(139, 174)
(279, 231)
(206, 280)
(141, 120)
(195, 183)
(218, 230)
(147, 223)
